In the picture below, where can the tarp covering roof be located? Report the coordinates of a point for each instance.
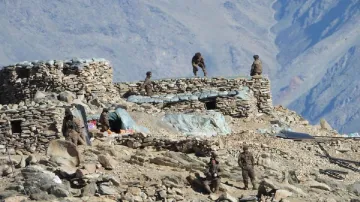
(293, 135)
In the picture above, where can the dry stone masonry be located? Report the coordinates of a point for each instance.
(33, 97)
(89, 78)
(238, 97)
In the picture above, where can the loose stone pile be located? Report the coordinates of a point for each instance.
(238, 97)
(89, 78)
(201, 147)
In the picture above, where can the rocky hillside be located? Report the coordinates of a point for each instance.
(164, 166)
(299, 41)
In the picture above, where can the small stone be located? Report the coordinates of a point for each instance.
(107, 161)
(89, 189)
(106, 190)
(134, 191)
(90, 167)
(162, 194)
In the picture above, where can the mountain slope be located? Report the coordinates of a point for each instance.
(140, 35)
(335, 96)
(311, 36)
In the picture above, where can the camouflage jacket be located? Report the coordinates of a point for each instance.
(246, 160)
(147, 83)
(196, 61)
(256, 67)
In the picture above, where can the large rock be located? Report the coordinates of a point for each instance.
(281, 194)
(64, 153)
(67, 96)
(318, 185)
(325, 125)
(355, 188)
(38, 180)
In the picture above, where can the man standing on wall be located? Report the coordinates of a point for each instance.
(147, 84)
(198, 62)
(256, 67)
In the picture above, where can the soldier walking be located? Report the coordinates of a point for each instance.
(256, 67)
(198, 62)
(246, 162)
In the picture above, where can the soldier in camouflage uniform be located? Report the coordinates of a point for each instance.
(212, 175)
(256, 67)
(147, 84)
(198, 61)
(246, 162)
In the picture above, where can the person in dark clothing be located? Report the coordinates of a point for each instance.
(104, 120)
(213, 179)
(71, 128)
(147, 84)
(246, 162)
(256, 67)
(198, 62)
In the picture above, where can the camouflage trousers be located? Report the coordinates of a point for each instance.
(246, 174)
(195, 70)
(210, 184)
(149, 91)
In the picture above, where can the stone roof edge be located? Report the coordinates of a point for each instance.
(52, 62)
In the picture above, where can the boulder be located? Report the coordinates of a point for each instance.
(318, 185)
(67, 96)
(281, 194)
(64, 153)
(355, 188)
(325, 125)
(38, 180)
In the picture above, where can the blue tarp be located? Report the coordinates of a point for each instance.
(208, 124)
(128, 122)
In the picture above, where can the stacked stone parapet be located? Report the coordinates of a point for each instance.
(238, 97)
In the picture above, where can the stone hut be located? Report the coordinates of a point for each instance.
(28, 121)
(88, 78)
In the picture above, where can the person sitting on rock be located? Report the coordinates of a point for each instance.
(213, 179)
(198, 62)
(246, 162)
(73, 136)
(147, 84)
(104, 120)
(71, 123)
(256, 67)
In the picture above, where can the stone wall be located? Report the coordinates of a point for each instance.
(238, 97)
(30, 126)
(89, 78)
